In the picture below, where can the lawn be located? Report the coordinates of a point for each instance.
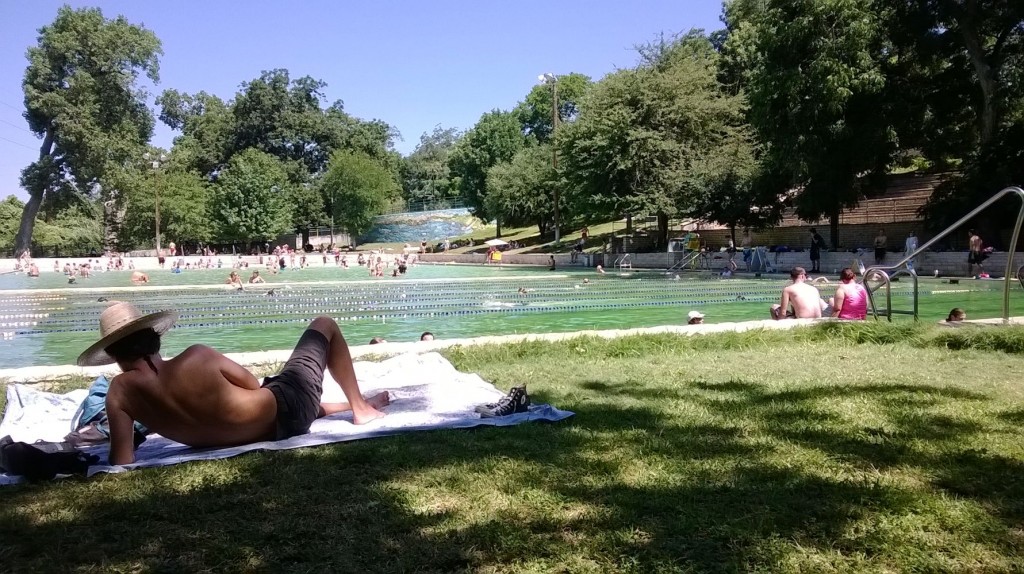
(838, 448)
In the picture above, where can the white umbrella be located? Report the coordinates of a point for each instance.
(496, 242)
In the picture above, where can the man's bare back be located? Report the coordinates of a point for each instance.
(201, 398)
(803, 297)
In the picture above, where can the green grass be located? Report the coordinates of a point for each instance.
(849, 448)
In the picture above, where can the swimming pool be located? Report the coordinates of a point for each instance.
(47, 321)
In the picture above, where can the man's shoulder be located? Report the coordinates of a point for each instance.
(197, 351)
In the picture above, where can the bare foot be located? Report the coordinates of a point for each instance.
(371, 413)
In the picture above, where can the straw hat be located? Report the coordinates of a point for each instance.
(117, 322)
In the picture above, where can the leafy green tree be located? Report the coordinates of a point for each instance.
(495, 138)
(10, 214)
(207, 124)
(817, 92)
(960, 67)
(358, 189)
(78, 229)
(426, 176)
(649, 139)
(308, 209)
(184, 208)
(535, 112)
(521, 191)
(249, 200)
(82, 98)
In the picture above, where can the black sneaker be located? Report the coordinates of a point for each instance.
(516, 401)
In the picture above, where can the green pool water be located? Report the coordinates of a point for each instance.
(46, 321)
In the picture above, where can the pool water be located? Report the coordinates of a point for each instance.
(46, 321)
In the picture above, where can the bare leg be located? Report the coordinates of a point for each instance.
(339, 364)
(381, 399)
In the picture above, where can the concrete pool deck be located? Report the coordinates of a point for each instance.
(51, 372)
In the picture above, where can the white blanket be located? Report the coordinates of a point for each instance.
(427, 392)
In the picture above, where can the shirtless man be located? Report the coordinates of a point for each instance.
(139, 278)
(975, 255)
(804, 298)
(203, 399)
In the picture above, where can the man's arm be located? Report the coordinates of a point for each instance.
(237, 374)
(784, 304)
(122, 434)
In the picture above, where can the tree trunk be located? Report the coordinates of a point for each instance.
(662, 230)
(497, 224)
(629, 224)
(23, 241)
(833, 228)
(113, 215)
(986, 79)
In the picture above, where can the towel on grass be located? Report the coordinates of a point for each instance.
(427, 393)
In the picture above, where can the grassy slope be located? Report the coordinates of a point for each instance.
(814, 451)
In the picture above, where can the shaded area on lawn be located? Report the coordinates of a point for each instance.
(726, 501)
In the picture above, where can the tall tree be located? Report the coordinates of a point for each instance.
(962, 65)
(184, 208)
(425, 172)
(82, 98)
(648, 139)
(521, 191)
(495, 138)
(358, 189)
(10, 213)
(817, 96)
(535, 112)
(249, 200)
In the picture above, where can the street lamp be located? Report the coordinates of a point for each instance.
(552, 80)
(155, 162)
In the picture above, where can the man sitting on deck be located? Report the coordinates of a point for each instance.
(805, 299)
(203, 399)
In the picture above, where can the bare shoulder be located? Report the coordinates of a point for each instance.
(195, 355)
(199, 352)
(124, 385)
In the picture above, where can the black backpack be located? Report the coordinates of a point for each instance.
(43, 460)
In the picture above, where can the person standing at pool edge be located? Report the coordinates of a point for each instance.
(909, 247)
(203, 399)
(975, 255)
(817, 242)
(880, 242)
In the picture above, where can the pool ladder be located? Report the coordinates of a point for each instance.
(623, 262)
(900, 268)
(688, 259)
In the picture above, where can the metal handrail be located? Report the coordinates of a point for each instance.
(622, 261)
(687, 259)
(882, 270)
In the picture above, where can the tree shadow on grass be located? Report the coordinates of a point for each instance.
(615, 487)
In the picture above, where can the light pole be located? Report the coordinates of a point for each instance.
(552, 80)
(157, 161)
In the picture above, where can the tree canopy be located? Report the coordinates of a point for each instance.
(82, 98)
(358, 189)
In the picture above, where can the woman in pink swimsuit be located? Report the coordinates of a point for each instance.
(851, 300)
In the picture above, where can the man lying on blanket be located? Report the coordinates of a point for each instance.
(203, 399)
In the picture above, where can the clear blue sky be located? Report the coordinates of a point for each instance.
(413, 64)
